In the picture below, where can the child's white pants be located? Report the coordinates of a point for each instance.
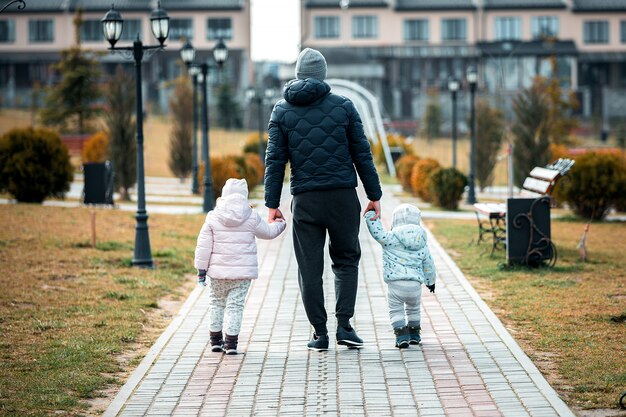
(404, 299)
(227, 298)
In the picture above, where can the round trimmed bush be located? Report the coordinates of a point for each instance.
(446, 187)
(404, 166)
(252, 143)
(420, 178)
(393, 141)
(595, 183)
(222, 168)
(253, 169)
(96, 148)
(34, 165)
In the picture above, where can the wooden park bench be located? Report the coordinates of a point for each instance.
(492, 218)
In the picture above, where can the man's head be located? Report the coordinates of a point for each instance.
(310, 64)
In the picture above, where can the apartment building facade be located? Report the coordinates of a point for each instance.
(31, 41)
(403, 49)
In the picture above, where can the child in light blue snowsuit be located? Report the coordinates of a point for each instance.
(407, 264)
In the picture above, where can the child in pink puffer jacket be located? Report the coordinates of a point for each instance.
(226, 252)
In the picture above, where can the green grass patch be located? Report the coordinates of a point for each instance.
(60, 341)
(562, 313)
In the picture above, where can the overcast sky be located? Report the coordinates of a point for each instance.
(275, 30)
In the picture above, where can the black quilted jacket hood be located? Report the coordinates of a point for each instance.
(321, 135)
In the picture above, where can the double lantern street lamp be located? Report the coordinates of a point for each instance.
(188, 54)
(453, 87)
(112, 25)
(472, 79)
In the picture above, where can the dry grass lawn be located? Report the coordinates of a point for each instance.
(70, 314)
(571, 320)
(156, 139)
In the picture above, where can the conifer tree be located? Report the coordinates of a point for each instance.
(70, 105)
(530, 131)
(120, 121)
(181, 107)
(489, 134)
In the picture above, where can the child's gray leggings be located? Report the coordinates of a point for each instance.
(404, 301)
(227, 296)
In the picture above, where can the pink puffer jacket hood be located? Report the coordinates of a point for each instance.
(226, 246)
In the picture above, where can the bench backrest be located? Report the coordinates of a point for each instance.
(541, 181)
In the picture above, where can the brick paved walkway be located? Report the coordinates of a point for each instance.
(467, 365)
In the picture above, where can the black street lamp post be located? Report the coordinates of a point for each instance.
(188, 53)
(260, 98)
(472, 78)
(112, 25)
(453, 86)
(195, 189)
(220, 54)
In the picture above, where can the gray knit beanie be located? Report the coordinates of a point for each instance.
(310, 64)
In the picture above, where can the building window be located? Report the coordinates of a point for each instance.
(181, 29)
(219, 29)
(623, 30)
(596, 31)
(7, 31)
(545, 27)
(508, 28)
(131, 29)
(41, 30)
(416, 30)
(453, 30)
(91, 31)
(364, 27)
(326, 27)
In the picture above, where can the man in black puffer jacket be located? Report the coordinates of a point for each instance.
(321, 135)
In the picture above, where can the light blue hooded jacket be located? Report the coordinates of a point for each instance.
(405, 250)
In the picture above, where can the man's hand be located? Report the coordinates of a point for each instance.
(373, 205)
(431, 287)
(275, 214)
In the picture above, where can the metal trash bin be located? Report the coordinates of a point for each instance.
(396, 152)
(99, 180)
(528, 232)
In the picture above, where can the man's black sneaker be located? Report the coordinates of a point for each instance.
(348, 337)
(318, 343)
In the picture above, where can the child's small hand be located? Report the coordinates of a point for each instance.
(431, 288)
(202, 277)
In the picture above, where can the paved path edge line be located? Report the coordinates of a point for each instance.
(551, 395)
(138, 374)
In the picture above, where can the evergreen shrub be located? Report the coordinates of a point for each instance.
(446, 187)
(252, 143)
(595, 184)
(420, 178)
(34, 165)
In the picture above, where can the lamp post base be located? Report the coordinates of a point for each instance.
(143, 256)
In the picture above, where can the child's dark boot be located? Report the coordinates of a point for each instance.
(402, 337)
(217, 343)
(230, 344)
(414, 334)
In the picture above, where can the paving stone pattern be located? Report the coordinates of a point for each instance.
(467, 365)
